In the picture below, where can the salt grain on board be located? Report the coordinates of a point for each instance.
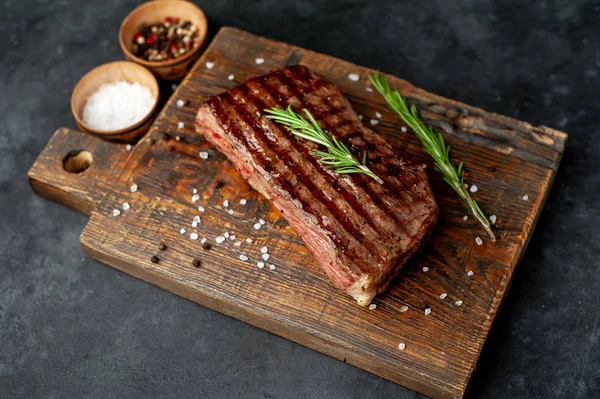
(360, 117)
(128, 147)
(232, 237)
(458, 303)
(403, 129)
(230, 211)
(237, 244)
(134, 188)
(425, 269)
(473, 189)
(443, 296)
(403, 309)
(226, 203)
(470, 273)
(116, 212)
(261, 221)
(194, 191)
(226, 235)
(126, 206)
(372, 306)
(194, 236)
(401, 346)
(203, 154)
(260, 264)
(264, 250)
(265, 256)
(197, 219)
(243, 202)
(369, 89)
(479, 241)
(231, 77)
(525, 197)
(378, 115)
(428, 311)
(180, 125)
(182, 231)
(354, 77)
(272, 267)
(248, 240)
(210, 65)
(195, 197)
(219, 239)
(201, 209)
(180, 103)
(203, 240)
(493, 219)
(257, 226)
(374, 122)
(243, 257)
(259, 61)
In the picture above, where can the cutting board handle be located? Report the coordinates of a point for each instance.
(73, 168)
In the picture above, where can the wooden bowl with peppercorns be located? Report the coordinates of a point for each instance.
(165, 36)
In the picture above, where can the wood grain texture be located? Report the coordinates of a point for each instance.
(505, 158)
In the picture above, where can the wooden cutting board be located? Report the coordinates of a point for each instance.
(505, 158)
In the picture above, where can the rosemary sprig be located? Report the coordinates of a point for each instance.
(337, 157)
(434, 145)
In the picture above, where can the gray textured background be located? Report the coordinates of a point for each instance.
(71, 327)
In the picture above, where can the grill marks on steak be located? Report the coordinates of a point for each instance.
(360, 231)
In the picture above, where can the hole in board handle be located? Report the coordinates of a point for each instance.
(77, 161)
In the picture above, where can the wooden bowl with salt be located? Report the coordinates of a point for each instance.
(156, 11)
(112, 72)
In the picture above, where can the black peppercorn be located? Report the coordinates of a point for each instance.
(162, 246)
(154, 259)
(220, 184)
(196, 263)
(206, 246)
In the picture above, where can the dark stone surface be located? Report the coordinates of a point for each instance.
(71, 327)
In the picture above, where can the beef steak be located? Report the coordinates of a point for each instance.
(360, 231)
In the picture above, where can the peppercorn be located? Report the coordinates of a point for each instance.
(219, 185)
(162, 246)
(206, 246)
(196, 263)
(154, 259)
(169, 39)
(166, 136)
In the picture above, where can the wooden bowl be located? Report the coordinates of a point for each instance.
(155, 11)
(113, 72)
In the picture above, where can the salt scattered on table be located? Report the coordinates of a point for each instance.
(243, 257)
(473, 189)
(180, 125)
(374, 122)
(470, 273)
(182, 231)
(259, 61)
(264, 250)
(194, 191)
(194, 236)
(237, 243)
(266, 256)
(203, 240)
(134, 188)
(372, 306)
(428, 311)
(201, 209)
(465, 218)
(126, 206)
(353, 77)
(257, 226)
(360, 117)
(232, 237)
(203, 154)
(116, 212)
(493, 219)
(369, 89)
(458, 303)
(272, 267)
(248, 240)
(219, 239)
(225, 203)
(261, 221)
(174, 86)
(403, 129)
(243, 202)
(403, 309)
(180, 103)
(425, 269)
(117, 105)
(525, 197)
(231, 77)
(260, 264)
(443, 296)
(230, 211)
(128, 147)
(401, 346)
(210, 65)
(195, 197)
(479, 241)
(378, 115)
(197, 219)
(226, 234)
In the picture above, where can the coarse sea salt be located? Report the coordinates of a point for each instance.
(226, 234)
(473, 189)
(260, 264)
(465, 218)
(243, 257)
(203, 240)
(428, 311)
(401, 346)
(128, 147)
(182, 231)
(458, 303)
(259, 61)
(200, 209)
(525, 197)
(195, 197)
(264, 250)
(372, 306)
(134, 188)
(479, 241)
(219, 239)
(360, 117)
(117, 105)
(493, 219)
(226, 203)
(272, 267)
(230, 211)
(195, 191)
(353, 77)
(116, 212)
(470, 273)
(231, 77)
(261, 221)
(249, 240)
(374, 122)
(378, 115)
(266, 256)
(126, 206)
(180, 125)
(443, 296)
(369, 89)
(425, 269)
(194, 236)
(210, 65)
(403, 129)
(203, 154)
(403, 309)
(237, 244)
(180, 103)
(257, 226)
(243, 202)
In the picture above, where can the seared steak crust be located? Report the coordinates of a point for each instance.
(361, 232)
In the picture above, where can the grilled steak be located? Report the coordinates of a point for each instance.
(361, 232)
